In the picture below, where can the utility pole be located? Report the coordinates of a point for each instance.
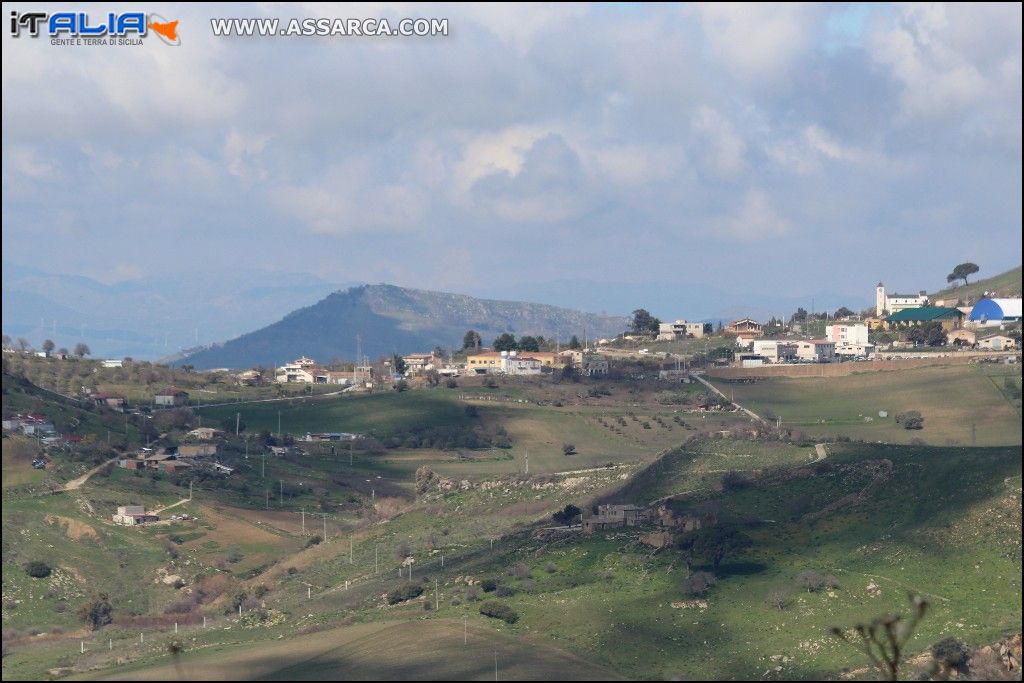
(238, 421)
(268, 498)
(280, 494)
(376, 566)
(527, 463)
(351, 549)
(279, 424)
(437, 601)
(303, 521)
(325, 527)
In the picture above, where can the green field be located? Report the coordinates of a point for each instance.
(960, 404)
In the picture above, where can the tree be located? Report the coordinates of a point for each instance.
(884, 639)
(910, 419)
(7, 341)
(471, 340)
(568, 449)
(63, 352)
(644, 323)
(574, 342)
(528, 343)
(22, 344)
(567, 515)
(962, 271)
(399, 364)
(715, 543)
(82, 350)
(843, 312)
(98, 612)
(48, 347)
(505, 342)
(800, 315)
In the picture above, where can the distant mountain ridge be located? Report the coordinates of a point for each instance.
(391, 319)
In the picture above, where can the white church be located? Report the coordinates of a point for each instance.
(894, 303)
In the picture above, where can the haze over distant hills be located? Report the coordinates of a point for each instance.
(150, 317)
(392, 319)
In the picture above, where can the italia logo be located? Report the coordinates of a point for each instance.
(70, 25)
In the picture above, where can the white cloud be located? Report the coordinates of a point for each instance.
(727, 150)
(755, 219)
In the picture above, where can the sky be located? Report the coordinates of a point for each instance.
(606, 155)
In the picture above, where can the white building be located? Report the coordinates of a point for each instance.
(681, 329)
(131, 515)
(513, 364)
(112, 363)
(774, 350)
(894, 303)
(843, 335)
(816, 350)
(855, 350)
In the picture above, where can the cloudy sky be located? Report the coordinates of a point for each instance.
(540, 152)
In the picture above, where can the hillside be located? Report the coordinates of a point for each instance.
(395, 320)
(1006, 284)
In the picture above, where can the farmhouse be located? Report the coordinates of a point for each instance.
(133, 515)
(197, 450)
(998, 342)
(612, 516)
(745, 326)
(203, 433)
(681, 329)
(589, 364)
(115, 401)
(496, 361)
(171, 397)
(995, 312)
(513, 364)
(949, 318)
(416, 363)
(962, 337)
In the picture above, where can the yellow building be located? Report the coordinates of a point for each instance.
(490, 361)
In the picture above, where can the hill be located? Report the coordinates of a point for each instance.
(1006, 284)
(394, 319)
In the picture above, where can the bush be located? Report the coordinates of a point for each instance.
(811, 581)
(234, 556)
(521, 570)
(735, 481)
(97, 612)
(568, 449)
(777, 598)
(505, 591)
(37, 569)
(452, 383)
(472, 593)
(910, 419)
(551, 568)
(698, 583)
(499, 610)
(406, 591)
(312, 541)
(489, 585)
(951, 652)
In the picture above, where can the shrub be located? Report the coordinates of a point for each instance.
(489, 585)
(97, 612)
(735, 481)
(910, 419)
(567, 515)
(568, 449)
(521, 570)
(811, 581)
(292, 571)
(472, 593)
(406, 591)
(551, 568)
(698, 583)
(260, 591)
(505, 591)
(234, 556)
(451, 383)
(312, 541)
(529, 585)
(38, 569)
(951, 652)
(777, 598)
(499, 610)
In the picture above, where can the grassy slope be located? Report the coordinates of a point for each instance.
(1005, 284)
(431, 650)
(951, 399)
